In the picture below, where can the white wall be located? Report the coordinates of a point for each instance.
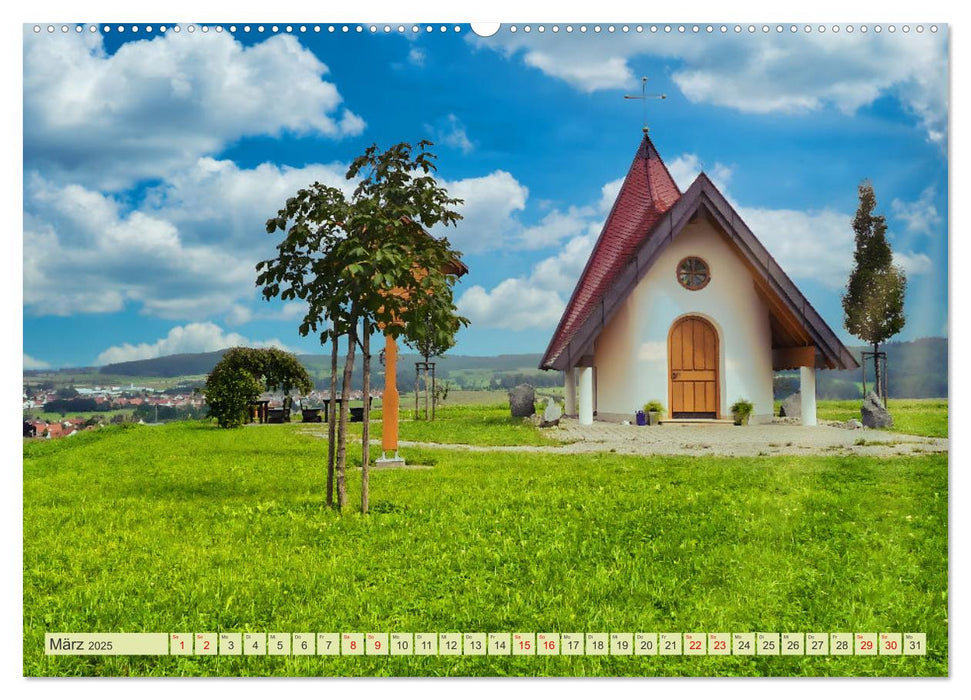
(631, 354)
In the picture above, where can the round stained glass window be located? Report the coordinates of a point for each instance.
(693, 273)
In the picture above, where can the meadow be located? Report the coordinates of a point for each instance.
(910, 416)
(189, 528)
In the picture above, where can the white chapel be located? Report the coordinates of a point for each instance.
(681, 303)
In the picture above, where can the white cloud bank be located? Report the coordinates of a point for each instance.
(97, 125)
(193, 337)
(187, 252)
(760, 73)
(156, 105)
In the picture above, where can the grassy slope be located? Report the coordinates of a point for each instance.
(190, 528)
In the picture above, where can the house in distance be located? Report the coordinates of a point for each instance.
(680, 302)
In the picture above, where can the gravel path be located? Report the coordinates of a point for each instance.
(776, 438)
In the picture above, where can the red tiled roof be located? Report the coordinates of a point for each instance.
(647, 192)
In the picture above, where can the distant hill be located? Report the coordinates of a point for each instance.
(466, 371)
(917, 369)
(168, 366)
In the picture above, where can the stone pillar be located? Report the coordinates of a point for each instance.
(570, 392)
(807, 394)
(586, 396)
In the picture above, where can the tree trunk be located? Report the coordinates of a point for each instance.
(427, 412)
(366, 428)
(332, 423)
(876, 373)
(342, 423)
(416, 390)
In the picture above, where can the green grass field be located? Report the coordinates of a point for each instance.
(189, 528)
(104, 415)
(911, 416)
(65, 378)
(487, 425)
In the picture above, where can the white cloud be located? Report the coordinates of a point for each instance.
(490, 203)
(758, 74)
(536, 300)
(920, 216)
(84, 253)
(416, 56)
(515, 304)
(193, 337)
(687, 166)
(579, 71)
(491, 209)
(217, 195)
(816, 245)
(34, 363)
(292, 310)
(188, 252)
(555, 227)
(608, 195)
(913, 263)
(809, 245)
(561, 272)
(452, 133)
(154, 106)
(238, 315)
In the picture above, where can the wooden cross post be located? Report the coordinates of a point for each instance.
(645, 97)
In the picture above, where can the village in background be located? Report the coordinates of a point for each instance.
(64, 402)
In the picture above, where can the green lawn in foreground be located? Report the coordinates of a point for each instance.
(188, 528)
(910, 416)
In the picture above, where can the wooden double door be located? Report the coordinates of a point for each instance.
(693, 362)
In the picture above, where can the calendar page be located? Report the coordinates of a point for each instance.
(532, 349)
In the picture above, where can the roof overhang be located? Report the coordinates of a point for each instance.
(797, 328)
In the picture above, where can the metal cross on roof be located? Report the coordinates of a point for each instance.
(645, 97)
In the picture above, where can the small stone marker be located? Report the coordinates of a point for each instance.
(792, 406)
(874, 414)
(853, 424)
(551, 414)
(521, 401)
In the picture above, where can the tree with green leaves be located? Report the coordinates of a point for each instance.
(365, 261)
(243, 374)
(873, 303)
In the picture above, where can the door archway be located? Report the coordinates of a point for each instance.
(693, 361)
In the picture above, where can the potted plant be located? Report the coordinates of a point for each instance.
(741, 410)
(654, 411)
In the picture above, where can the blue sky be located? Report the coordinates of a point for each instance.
(151, 162)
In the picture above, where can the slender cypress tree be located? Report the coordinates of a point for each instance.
(873, 304)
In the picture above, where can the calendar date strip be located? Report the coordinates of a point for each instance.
(257, 644)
